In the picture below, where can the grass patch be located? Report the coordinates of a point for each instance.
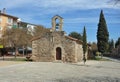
(99, 58)
(103, 59)
(17, 59)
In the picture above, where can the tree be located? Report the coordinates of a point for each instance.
(115, 2)
(102, 34)
(84, 44)
(84, 41)
(76, 35)
(20, 37)
(16, 37)
(117, 42)
(39, 31)
(111, 45)
(94, 47)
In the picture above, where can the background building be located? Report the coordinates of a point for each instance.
(7, 21)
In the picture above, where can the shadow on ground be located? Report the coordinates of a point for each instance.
(89, 79)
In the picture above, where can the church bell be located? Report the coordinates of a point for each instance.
(57, 25)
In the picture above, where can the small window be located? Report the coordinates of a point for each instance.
(14, 23)
(14, 26)
(0, 28)
(10, 20)
(0, 19)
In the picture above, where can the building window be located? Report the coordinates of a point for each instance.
(10, 20)
(0, 19)
(14, 26)
(14, 23)
(0, 28)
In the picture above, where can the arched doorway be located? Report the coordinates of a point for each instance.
(58, 53)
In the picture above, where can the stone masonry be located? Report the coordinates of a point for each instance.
(56, 46)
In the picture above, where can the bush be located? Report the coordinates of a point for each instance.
(98, 53)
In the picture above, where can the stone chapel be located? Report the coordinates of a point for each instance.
(55, 45)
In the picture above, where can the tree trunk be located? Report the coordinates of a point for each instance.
(23, 51)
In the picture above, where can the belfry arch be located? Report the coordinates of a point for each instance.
(57, 23)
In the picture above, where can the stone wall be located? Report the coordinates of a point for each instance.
(41, 49)
(44, 49)
(116, 52)
(79, 53)
(69, 47)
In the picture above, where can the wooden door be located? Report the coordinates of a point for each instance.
(58, 53)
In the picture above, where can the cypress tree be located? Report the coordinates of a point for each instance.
(102, 34)
(84, 41)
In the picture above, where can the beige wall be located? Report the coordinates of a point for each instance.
(4, 23)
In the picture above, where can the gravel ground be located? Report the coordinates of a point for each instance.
(93, 71)
(7, 63)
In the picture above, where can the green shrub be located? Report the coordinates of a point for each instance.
(98, 53)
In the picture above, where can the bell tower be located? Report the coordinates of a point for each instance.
(57, 23)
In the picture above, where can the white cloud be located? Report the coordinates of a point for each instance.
(13, 4)
(75, 4)
(52, 6)
(44, 7)
(82, 20)
(59, 6)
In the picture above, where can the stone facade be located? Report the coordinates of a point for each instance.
(54, 46)
(116, 52)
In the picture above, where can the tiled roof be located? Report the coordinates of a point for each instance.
(8, 15)
(68, 37)
(57, 16)
(29, 23)
(35, 38)
(74, 39)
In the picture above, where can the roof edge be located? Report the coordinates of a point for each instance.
(9, 15)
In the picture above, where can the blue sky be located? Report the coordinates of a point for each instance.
(76, 14)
